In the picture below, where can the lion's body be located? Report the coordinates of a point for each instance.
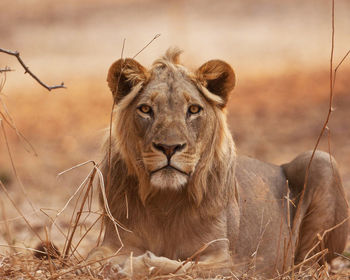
(175, 182)
(263, 210)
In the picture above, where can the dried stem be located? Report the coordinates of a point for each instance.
(150, 42)
(26, 69)
(7, 234)
(2, 127)
(19, 211)
(70, 239)
(6, 69)
(332, 76)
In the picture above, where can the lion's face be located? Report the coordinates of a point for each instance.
(172, 120)
(170, 114)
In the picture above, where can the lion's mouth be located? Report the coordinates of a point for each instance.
(170, 167)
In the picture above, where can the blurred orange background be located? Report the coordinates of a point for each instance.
(280, 51)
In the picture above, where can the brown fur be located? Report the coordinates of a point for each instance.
(205, 194)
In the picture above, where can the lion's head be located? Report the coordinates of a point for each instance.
(170, 124)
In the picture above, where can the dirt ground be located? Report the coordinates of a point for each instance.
(279, 49)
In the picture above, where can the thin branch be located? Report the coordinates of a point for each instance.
(332, 79)
(325, 125)
(339, 64)
(6, 69)
(17, 55)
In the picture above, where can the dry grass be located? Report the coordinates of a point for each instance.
(25, 266)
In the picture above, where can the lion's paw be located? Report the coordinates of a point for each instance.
(165, 265)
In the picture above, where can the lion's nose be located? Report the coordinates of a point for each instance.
(169, 150)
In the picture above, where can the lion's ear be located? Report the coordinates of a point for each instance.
(218, 77)
(123, 75)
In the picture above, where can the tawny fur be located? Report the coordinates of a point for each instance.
(234, 206)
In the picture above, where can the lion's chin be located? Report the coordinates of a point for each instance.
(168, 179)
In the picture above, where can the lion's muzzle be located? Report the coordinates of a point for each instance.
(169, 150)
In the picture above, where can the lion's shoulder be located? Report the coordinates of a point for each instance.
(253, 174)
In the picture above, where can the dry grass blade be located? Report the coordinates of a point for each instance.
(111, 126)
(150, 42)
(65, 236)
(200, 251)
(308, 260)
(75, 193)
(7, 234)
(341, 255)
(320, 240)
(79, 213)
(14, 167)
(11, 124)
(19, 211)
(6, 116)
(84, 235)
(23, 248)
(76, 166)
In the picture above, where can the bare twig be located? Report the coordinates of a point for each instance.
(17, 55)
(339, 64)
(6, 69)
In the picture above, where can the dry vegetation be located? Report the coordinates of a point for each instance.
(274, 114)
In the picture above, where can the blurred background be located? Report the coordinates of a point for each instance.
(280, 51)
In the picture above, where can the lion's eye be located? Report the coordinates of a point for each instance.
(145, 109)
(194, 109)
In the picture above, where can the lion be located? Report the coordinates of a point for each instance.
(181, 200)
